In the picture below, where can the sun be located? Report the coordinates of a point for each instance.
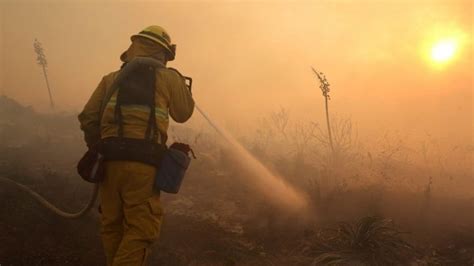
(444, 50)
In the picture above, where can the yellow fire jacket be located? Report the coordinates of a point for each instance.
(172, 98)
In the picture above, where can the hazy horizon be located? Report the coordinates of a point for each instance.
(248, 59)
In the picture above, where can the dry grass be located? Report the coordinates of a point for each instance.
(370, 241)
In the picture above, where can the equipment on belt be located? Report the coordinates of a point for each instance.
(91, 165)
(173, 167)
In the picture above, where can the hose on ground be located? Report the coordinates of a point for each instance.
(45, 203)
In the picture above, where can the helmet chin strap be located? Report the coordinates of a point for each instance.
(160, 56)
(173, 49)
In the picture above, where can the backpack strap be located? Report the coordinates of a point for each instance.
(126, 70)
(152, 126)
(138, 89)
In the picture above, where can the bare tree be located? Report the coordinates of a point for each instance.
(324, 86)
(41, 60)
(263, 136)
(302, 135)
(280, 121)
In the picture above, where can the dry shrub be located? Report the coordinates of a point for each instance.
(370, 241)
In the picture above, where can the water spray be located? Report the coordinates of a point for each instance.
(272, 186)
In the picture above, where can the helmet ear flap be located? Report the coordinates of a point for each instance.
(173, 51)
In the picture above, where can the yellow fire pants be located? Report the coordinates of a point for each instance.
(131, 212)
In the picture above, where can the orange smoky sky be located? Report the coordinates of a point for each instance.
(248, 58)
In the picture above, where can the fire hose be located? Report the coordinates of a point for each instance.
(48, 205)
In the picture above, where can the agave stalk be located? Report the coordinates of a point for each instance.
(324, 86)
(41, 60)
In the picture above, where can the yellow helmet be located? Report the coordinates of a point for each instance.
(161, 37)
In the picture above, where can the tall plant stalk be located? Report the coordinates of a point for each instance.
(324, 86)
(41, 60)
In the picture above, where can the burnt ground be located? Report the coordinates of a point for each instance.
(31, 235)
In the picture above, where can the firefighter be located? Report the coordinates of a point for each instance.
(131, 132)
